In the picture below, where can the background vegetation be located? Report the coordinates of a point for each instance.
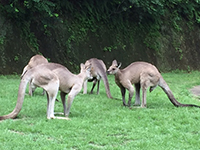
(101, 123)
(164, 32)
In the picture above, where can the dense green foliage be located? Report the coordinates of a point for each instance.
(85, 16)
(101, 123)
(62, 30)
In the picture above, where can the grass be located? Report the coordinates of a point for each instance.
(101, 123)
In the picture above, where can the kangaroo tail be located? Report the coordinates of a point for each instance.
(24, 70)
(170, 95)
(106, 84)
(21, 93)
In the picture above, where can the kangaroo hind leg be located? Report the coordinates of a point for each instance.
(51, 91)
(93, 86)
(51, 86)
(130, 88)
(144, 83)
(137, 94)
(74, 91)
(123, 92)
(63, 95)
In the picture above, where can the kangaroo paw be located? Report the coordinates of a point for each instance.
(63, 118)
(58, 113)
(125, 104)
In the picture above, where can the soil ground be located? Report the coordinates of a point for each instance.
(195, 90)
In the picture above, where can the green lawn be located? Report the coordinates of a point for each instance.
(101, 123)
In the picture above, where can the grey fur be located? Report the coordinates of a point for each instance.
(142, 75)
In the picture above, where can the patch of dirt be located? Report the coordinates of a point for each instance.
(195, 90)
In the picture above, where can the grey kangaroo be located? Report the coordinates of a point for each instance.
(52, 77)
(98, 71)
(33, 62)
(142, 75)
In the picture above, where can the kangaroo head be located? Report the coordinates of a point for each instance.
(86, 68)
(113, 69)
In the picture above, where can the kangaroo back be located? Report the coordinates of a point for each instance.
(34, 61)
(170, 95)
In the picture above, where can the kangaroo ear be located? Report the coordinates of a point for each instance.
(87, 63)
(114, 62)
(119, 65)
(82, 66)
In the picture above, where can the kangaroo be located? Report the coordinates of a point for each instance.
(34, 61)
(52, 77)
(142, 75)
(98, 71)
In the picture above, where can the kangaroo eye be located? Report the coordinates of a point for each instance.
(113, 68)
